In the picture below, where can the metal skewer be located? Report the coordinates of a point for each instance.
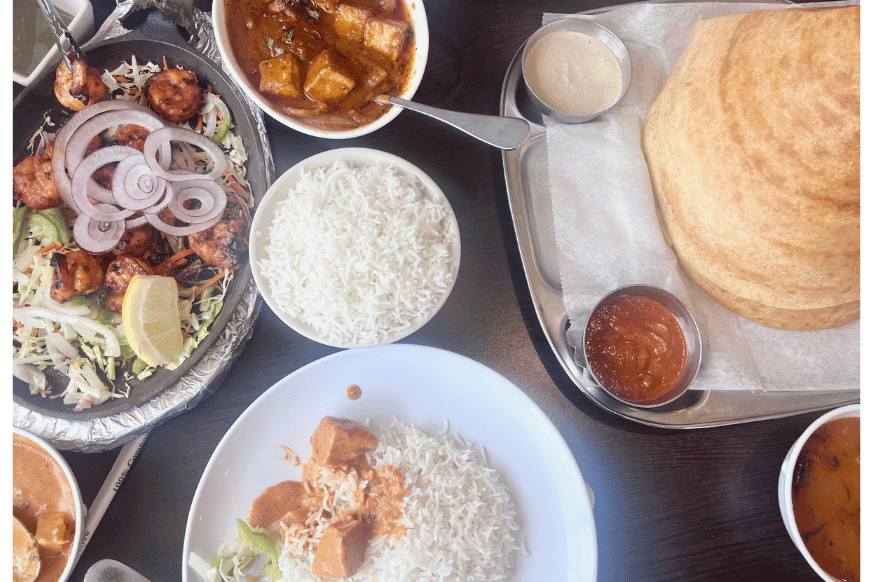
(61, 33)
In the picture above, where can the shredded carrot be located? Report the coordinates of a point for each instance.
(199, 126)
(121, 79)
(212, 281)
(170, 263)
(234, 184)
(165, 63)
(50, 248)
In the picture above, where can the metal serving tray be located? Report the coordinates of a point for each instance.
(527, 184)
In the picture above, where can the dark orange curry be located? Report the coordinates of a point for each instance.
(826, 494)
(322, 61)
(339, 446)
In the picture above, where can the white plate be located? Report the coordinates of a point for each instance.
(427, 387)
(259, 233)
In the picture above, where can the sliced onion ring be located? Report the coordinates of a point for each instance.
(98, 236)
(83, 174)
(136, 187)
(211, 199)
(164, 135)
(171, 230)
(79, 141)
(59, 157)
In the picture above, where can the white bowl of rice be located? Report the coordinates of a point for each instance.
(355, 247)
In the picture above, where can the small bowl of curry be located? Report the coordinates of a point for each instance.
(316, 65)
(820, 494)
(48, 516)
(642, 345)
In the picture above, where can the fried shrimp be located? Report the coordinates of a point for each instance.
(137, 241)
(132, 135)
(119, 274)
(75, 273)
(175, 94)
(79, 88)
(223, 244)
(32, 182)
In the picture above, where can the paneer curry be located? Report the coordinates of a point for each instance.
(312, 512)
(322, 61)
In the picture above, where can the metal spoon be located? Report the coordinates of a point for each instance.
(506, 133)
(112, 571)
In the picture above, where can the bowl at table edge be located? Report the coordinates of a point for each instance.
(77, 496)
(688, 325)
(417, 15)
(786, 476)
(259, 235)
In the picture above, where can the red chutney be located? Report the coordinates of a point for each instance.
(826, 494)
(635, 348)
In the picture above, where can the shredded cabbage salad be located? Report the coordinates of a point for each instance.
(251, 555)
(79, 338)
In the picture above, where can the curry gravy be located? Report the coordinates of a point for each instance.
(826, 494)
(40, 488)
(263, 30)
(289, 510)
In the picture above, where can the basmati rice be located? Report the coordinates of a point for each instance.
(460, 519)
(359, 253)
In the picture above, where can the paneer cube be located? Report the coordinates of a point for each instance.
(280, 76)
(386, 36)
(326, 79)
(350, 21)
(340, 550)
(375, 75)
(51, 530)
(339, 441)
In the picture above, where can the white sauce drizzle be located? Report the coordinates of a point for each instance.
(573, 72)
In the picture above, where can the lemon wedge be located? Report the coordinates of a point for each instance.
(150, 314)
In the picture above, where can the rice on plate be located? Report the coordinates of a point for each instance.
(355, 248)
(454, 520)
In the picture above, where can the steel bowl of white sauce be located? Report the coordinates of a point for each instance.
(575, 70)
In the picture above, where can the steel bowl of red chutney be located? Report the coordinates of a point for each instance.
(642, 345)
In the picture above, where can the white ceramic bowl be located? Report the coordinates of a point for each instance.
(786, 506)
(422, 42)
(77, 496)
(259, 234)
(81, 27)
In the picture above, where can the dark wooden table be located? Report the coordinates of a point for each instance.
(670, 505)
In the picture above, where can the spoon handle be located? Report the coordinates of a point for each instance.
(506, 133)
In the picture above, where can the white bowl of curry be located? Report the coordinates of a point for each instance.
(48, 515)
(315, 65)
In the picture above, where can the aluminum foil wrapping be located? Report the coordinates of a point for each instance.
(101, 434)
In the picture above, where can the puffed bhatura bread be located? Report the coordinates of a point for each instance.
(753, 147)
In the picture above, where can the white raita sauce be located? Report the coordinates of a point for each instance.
(573, 72)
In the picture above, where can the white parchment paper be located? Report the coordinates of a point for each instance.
(608, 234)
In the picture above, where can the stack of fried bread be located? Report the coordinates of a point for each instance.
(753, 147)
